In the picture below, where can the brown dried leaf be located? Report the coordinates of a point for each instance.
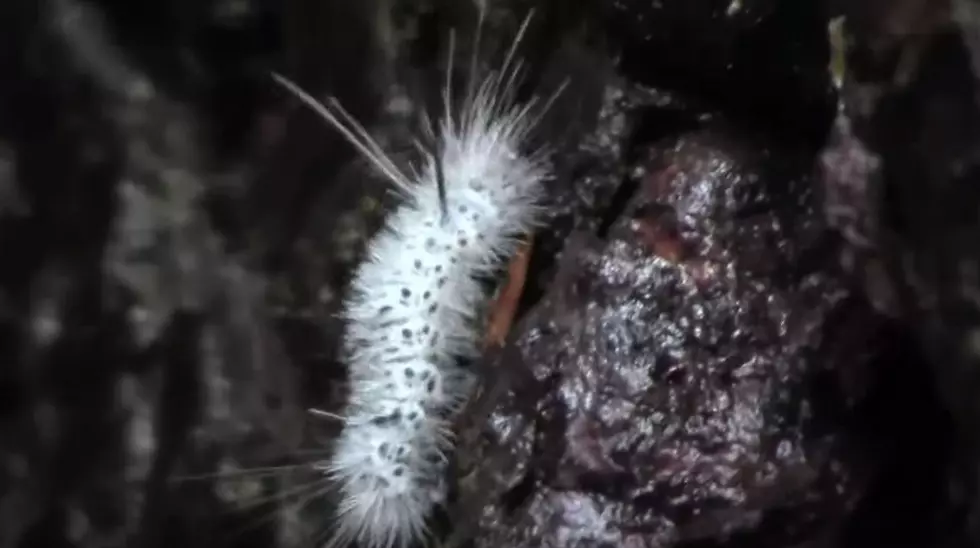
(505, 307)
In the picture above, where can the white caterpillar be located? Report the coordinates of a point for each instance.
(415, 302)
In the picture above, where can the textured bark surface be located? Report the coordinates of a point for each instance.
(904, 150)
(748, 321)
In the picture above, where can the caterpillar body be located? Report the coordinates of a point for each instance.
(415, 300)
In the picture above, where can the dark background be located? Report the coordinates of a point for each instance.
(177, 231)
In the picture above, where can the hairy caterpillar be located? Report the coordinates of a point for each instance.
(415, 300)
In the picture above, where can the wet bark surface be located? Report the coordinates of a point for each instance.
(692, 371)
(749, 319)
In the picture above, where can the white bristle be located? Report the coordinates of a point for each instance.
(414, 305)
